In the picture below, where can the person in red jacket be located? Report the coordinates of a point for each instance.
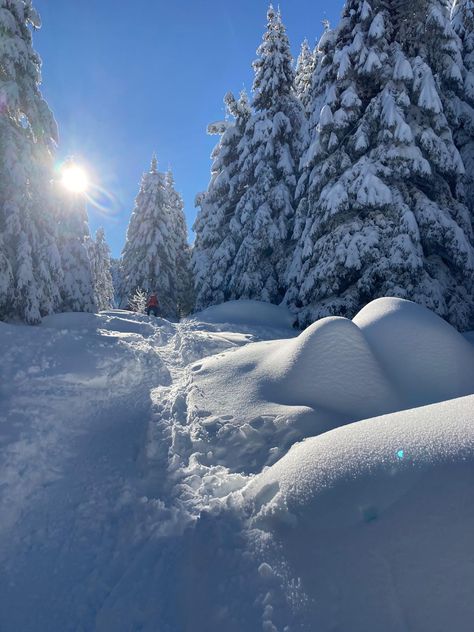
(152, 306)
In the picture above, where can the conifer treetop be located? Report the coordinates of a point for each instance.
(304, 72)
(274, 74)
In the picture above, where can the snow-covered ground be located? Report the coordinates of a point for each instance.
(225, 473)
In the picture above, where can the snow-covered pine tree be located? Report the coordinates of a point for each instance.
(101, 271)
(214, 247)
(382, 219)
(149, 255)
(138, 301)
(116, 274)
(304, 73)
(30, 270)
(462, 18)
(262, 223)
(76, 251)
(320, 84)
(183, 278)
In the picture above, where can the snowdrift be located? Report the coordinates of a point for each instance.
(247, 407)
(376, 521)
(247, 313)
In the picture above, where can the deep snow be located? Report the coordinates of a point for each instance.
(375, 520)
(134, 492)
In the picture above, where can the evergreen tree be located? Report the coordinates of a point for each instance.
(101, 271)
(149, 255)
(138, 301)
(76, 251)
(381, 214)
(214, 247)
(462, 17)
(117, 283)
(320, 84)
(304, 73)
(182, 274)
(268, 164)
(30, 269)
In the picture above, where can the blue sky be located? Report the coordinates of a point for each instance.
(126, 78)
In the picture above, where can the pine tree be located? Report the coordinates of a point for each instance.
(75, 248)
(149, 255)
(183, 278)
(99, 255)
(138, 301)
(381, 214)
(214, 247)
(304, 73)
(117, 283)
(462, 18)
(262, 221)
(320, 84)
(30, 269)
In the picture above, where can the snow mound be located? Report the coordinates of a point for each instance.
(421, 353)
(249, 313)
(469, 335)
(376, 519)
(247, 407)
(73, 320)
(331, 366)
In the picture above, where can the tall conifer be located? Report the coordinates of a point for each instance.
(30, 268)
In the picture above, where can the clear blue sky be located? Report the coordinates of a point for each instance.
(125, 78)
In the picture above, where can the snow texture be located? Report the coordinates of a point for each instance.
(134, 493)
(247, 407)
(373, 522)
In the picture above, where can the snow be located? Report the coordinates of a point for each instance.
(469, 335)
(375, 521)
(246, 313)
(228, 473)
(247, 407)
(443, 365)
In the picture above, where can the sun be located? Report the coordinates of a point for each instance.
(75, 179)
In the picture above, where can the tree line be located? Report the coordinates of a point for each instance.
(345, 178)
(351, 177)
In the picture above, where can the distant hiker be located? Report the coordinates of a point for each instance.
(152, 304)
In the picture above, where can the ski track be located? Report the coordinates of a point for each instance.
(92, 509)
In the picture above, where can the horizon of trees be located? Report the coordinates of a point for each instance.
(349, 178)
(344, 177)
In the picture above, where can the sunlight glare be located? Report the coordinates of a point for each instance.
(75, 179)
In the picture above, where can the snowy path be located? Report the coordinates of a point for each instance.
(84, 495)
(72, 467)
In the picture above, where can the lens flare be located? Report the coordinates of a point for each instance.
(74, 179)
(78, 177)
